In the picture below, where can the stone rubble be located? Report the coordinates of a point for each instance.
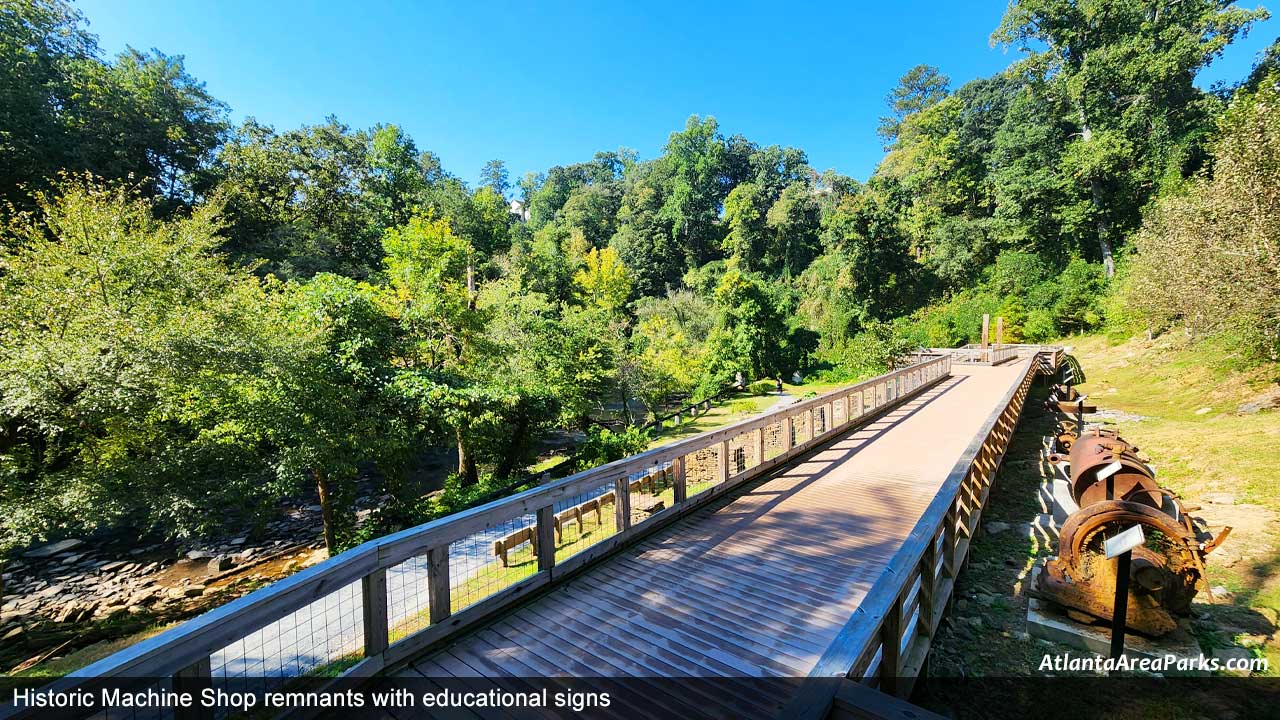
(74, 581)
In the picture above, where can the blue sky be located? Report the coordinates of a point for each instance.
(538, 85)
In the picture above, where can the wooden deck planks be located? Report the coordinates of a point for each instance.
(758, 585)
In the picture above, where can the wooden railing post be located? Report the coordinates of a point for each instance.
(439, 602)
(787, 433)
(928, 586)
(679, 485)
(891, 647)
(546, 537)
(193, 679)
(373, 599)
(722, 462)
(622, 502)
(759, 442)
(950, 542)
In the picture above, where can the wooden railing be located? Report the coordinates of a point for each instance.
(885, 642)
(387, 600)
(998, 353)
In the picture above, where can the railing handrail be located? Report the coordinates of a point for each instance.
(857, 634)
(888, 636)
(191, 641)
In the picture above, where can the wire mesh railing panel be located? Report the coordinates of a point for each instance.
(320, 639)
(774, 444)
(821, 420)
(407, 608)
(487, 562)
(585, 519)
(742, 452)
(839, 412)
(702, 470)
(801, 429)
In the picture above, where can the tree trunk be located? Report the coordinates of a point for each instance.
(515, 445)
(1099, 207)
(326, 510)
(1104, 229)
(466, 463)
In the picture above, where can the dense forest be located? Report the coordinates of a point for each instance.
(200, 319)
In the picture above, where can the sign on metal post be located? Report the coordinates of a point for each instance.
(1121, 547)
(1124, 542)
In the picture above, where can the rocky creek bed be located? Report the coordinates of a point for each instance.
(66, 595)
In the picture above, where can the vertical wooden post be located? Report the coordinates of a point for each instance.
(949, 541)
(812, 428)
(546, 537)
(373, 599)
(848, 409)
(759, 441)
(722, 462)
(928, 586)
(786, 433)
(622, 502)
(679, 486)
(986, 330)
(439, 601)
(193, 679)
(891, 648)
(999, 331)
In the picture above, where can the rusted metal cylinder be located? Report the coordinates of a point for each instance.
(1093, 481)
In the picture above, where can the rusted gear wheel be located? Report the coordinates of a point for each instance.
(1165, 575)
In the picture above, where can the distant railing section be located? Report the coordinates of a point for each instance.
(385, 601)
(974, 354)
(886, 641)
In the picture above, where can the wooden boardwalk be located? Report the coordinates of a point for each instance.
(757, 585)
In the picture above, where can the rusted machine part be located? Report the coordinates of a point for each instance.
(1166, 572)
(1064, 435)
(1212, 544)
(1092, 453)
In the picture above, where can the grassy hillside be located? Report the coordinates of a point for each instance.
(1156, 393)
(1212, 437)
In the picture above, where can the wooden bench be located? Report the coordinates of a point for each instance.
(502, 546)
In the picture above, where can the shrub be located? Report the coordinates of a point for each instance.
(603, 445)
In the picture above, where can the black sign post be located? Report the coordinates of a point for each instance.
(1121, 547)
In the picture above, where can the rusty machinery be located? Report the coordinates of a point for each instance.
(1115, 489)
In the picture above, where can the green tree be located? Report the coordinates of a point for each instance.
(1145, 52)
(494, 176)
(920, 87)
(745, 209)
(63, 108)
(111, 320)
(604, 280)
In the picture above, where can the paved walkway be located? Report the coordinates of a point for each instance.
(757, 586)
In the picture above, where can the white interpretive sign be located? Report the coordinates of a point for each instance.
(1124, 542)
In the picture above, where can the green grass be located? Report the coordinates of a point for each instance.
(1219, 451)
(1165, 383)
(729, 410)
(90, 654)
(736, 408)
